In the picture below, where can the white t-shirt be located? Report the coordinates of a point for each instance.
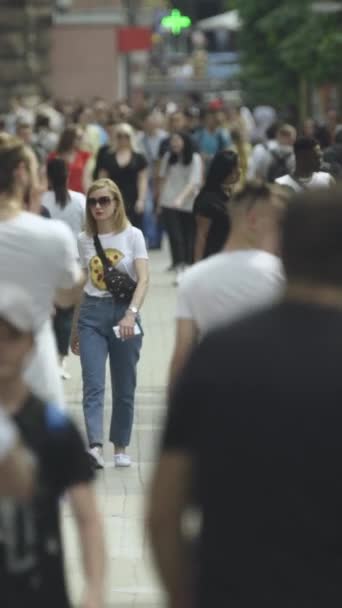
(318, 180)
(8, 435)
(40, 255)
(177, 177)
(121, 249)
(228, 285)
(73, 214)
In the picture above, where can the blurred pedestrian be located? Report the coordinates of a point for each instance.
(108, 324)
(70, 149)
(210, 139)
(69, 207)
(253, 440)
(273, 159)
(307, 174)
(211, 205)
(31, 565)
(245, 277)
(41, 257)
(181, 177)
(128, 169)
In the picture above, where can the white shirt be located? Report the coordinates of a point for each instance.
(177, 178)
(261, 158)
(318, 180)
(73, 214)
(8, 435)
(228, 285)
(40, 255)
(121, 249)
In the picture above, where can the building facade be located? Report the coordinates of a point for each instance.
(25, 42)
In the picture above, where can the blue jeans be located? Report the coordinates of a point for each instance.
(97, 340)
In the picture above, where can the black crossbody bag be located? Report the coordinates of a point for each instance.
(118, 283)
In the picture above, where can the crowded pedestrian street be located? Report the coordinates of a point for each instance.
(122, 493)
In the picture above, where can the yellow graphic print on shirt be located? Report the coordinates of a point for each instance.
(96, 268)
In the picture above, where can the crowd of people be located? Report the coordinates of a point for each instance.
(254, 222)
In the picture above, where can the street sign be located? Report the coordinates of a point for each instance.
(176, 22)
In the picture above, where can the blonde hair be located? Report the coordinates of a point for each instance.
(120, 220)
(127, 129)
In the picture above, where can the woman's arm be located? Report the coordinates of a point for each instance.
(194, 183)
(128, 322)
(202, 230)
(142, 191)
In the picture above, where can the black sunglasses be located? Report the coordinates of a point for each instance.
(103, 201)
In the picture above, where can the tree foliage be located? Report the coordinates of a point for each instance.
(284, 42)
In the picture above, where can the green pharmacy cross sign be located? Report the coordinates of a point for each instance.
(176, 22)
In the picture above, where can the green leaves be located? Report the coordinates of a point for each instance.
(283, 41)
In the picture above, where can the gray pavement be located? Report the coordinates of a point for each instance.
(131, 580)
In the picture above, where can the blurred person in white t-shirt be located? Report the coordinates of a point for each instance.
(244, 278)
(69, 207)
(307, 174)
(41, 256)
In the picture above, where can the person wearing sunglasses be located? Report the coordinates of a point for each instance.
(128, 169)
(104, 325)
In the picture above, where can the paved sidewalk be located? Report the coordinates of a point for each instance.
(131, 581)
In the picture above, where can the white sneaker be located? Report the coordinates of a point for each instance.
(96, 457)
(122, 460)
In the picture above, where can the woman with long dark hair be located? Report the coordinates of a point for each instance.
(70, 149)
(181, 176)
(211, 205)
(68, 206)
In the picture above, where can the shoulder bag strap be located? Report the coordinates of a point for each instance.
(100, 252)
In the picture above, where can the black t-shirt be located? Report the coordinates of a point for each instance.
(125, 177)
(259, 410)
(213, 206)
(31, 553)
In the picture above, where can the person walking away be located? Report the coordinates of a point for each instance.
(211, 205)
(307, 174)
(149, 144)
(210, 139)
(94, 336)
(275, 158)
(69, 207)
(181, 175)
(253, 438)
(245, 277)
(31, 548)
(128, 169)
(39, 255)
(70, 149)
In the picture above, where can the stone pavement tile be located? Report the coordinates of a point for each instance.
(131, 580)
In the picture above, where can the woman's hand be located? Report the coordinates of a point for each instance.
(127, 326)
(178, 203)
(75, 345)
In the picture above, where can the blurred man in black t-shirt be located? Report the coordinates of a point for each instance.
(31, 552)
(253, 437)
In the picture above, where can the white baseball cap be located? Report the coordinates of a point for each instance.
(16, 307)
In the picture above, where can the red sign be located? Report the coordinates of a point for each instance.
(132, 39)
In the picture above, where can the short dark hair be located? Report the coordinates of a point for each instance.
(257, 191)
(304, 144)
(312, 237)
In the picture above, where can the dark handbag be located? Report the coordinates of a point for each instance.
(118, 283)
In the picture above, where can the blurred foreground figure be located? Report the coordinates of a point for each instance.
(17, 466)
(246, 276)
(40, 256)
(253, 437)
(31, 553)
